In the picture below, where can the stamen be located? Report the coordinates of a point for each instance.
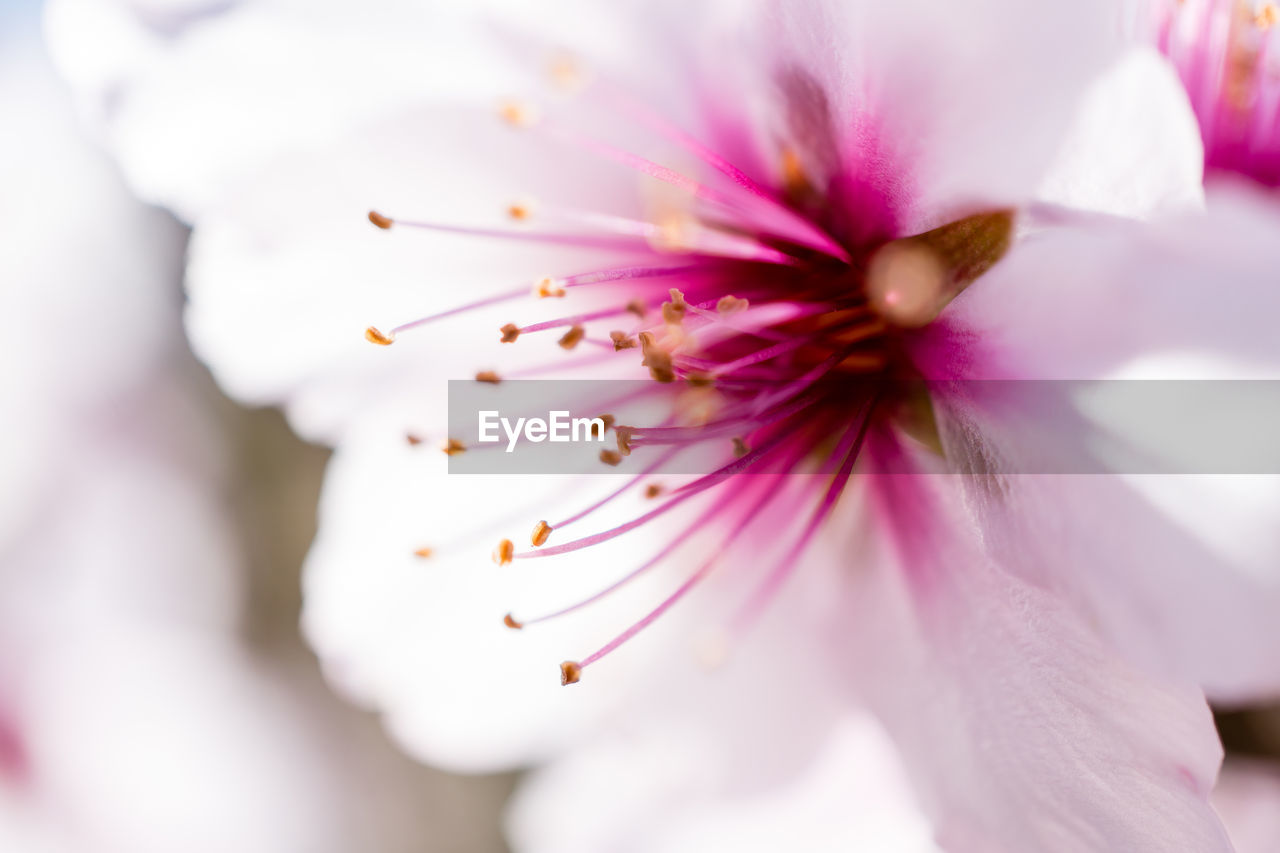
(572, 337)
(413, 440)
(488, 376)
(610, 457)
(509, 333)
(373, 336)
(383, 222)
(621, 341)
(693, 580)
(731, 305)
(740, 448)
(504, 552)
(518, 113)
(570, 672)
(541, 531)
(423, 553)
(548, 287)
(652, 490)
(520, 211)
(452, 447)
(511, 622)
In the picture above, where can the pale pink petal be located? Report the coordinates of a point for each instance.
(1247, 797)
(931, 107)
(1133, 149)
(1020, 728)
(1087, 300)
(649, 790)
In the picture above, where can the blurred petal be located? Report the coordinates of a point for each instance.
(1247, 797)
(650, 791)
(1019, 728)
(921, 98)
(1134, 148)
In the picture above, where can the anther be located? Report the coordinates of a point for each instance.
(488, 376)
(413, 440)
(731, 305)
(452, 447)
(509, 333)
(423, 553)
(610, 457)
(541, 531)
(548, 287)
(517, 113)
(635, 306)
(673, 311)
(566, 74)
(609, 421)
(740, 448)
(573, 337)
(383, 222)
(621, 341)
(1267, 17)
(570, 672)
(520, 210)
(505, 552)
(373, 336)
(623, 434)
(652, 490)
(512, 623)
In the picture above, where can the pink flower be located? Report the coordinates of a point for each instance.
(1226, 53)
(876, 189)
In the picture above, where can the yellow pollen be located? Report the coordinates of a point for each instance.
(373, 336)
(505, 552)
(509, 333)
(423, 553)
(383, 222)
(520, 210)
(541, 531)
(452, 447)
(731, 305)
(548, 288)
(510, 622)
(1266, 17)
(621, 341)
(740, 448)
(610, 457)
(488, 376)
(652, 490)
(570, 672)
(517, 113)
(573, 337)
(566, 74)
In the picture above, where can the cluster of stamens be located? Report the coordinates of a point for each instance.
(756, 310)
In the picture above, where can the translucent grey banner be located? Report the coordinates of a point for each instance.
(980, 427)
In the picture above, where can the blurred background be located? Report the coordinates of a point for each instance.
(155, 693)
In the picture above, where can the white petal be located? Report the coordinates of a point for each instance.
(1021, 730)
(1134, 147)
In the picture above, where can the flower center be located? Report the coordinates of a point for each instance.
(756, 308)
